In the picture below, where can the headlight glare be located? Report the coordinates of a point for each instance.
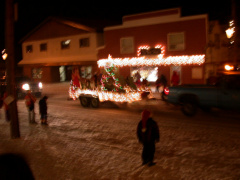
(26, 87)
(40, 85)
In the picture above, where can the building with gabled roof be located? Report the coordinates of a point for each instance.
(51, 50)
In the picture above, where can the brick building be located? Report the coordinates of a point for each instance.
(156, 43)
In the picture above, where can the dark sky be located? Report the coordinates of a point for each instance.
(33, 12)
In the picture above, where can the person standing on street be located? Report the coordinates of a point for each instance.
(30, 100)
(148, 135)
(175, 78)
(43, 110)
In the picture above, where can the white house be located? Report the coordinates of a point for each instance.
(56, 45)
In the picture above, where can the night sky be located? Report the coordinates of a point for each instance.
(32, 12)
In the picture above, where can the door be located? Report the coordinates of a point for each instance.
(62, 72)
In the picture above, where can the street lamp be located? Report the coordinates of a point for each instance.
(4, 54)
(228, 67)
(230, 31)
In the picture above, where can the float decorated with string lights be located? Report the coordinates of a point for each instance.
(113, 87)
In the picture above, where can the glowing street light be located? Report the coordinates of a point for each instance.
(228, 67)
(230, 31)
(4, 54)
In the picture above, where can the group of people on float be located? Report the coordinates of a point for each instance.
(95, 80)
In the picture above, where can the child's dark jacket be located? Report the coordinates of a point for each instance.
(43, 106)
(150, 134)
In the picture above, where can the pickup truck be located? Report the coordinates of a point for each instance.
(23, 84)
(225, 94)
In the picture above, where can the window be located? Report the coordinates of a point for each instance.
(176, 41)
(84, 42)
(86, 72)
(65, 44)
(126, 45)
(145, 72)
(197, 73)
(37, 73)
(29, 49)
(43, 47)
(151, 51)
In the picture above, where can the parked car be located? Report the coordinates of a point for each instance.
(23, 84)
(225, 94)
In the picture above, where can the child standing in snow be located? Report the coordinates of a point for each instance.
(148, 135)
(43, 110)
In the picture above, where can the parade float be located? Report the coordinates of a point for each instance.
(111, 87)
(107, 86)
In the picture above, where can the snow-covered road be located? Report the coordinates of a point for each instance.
(86, 143)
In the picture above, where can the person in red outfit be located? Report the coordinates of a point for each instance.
(30, 101)
(175, 78)
(76, 77)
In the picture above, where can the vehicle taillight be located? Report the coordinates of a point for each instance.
(166, 91)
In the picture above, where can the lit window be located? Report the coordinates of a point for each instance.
(126, 45)
(176, 41)
(84, 42)
(65, 44)
(29, 49)
(86, 72)
(148, 73)
(43, 47)
(37, 73)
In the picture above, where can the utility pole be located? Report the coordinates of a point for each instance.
(236, 37)
(10, 65)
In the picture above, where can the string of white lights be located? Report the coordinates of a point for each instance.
(157, 61)
(160, 61)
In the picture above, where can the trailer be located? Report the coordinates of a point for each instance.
(93, 97)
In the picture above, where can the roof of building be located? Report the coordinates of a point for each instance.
(155, 17)
(88, 25)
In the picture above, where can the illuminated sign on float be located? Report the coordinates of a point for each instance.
(159, 60)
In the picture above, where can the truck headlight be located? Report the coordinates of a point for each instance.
(26, 87)
(40, 85)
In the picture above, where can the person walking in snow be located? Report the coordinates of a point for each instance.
(30, 101)
(43, 110)
(148, 135)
